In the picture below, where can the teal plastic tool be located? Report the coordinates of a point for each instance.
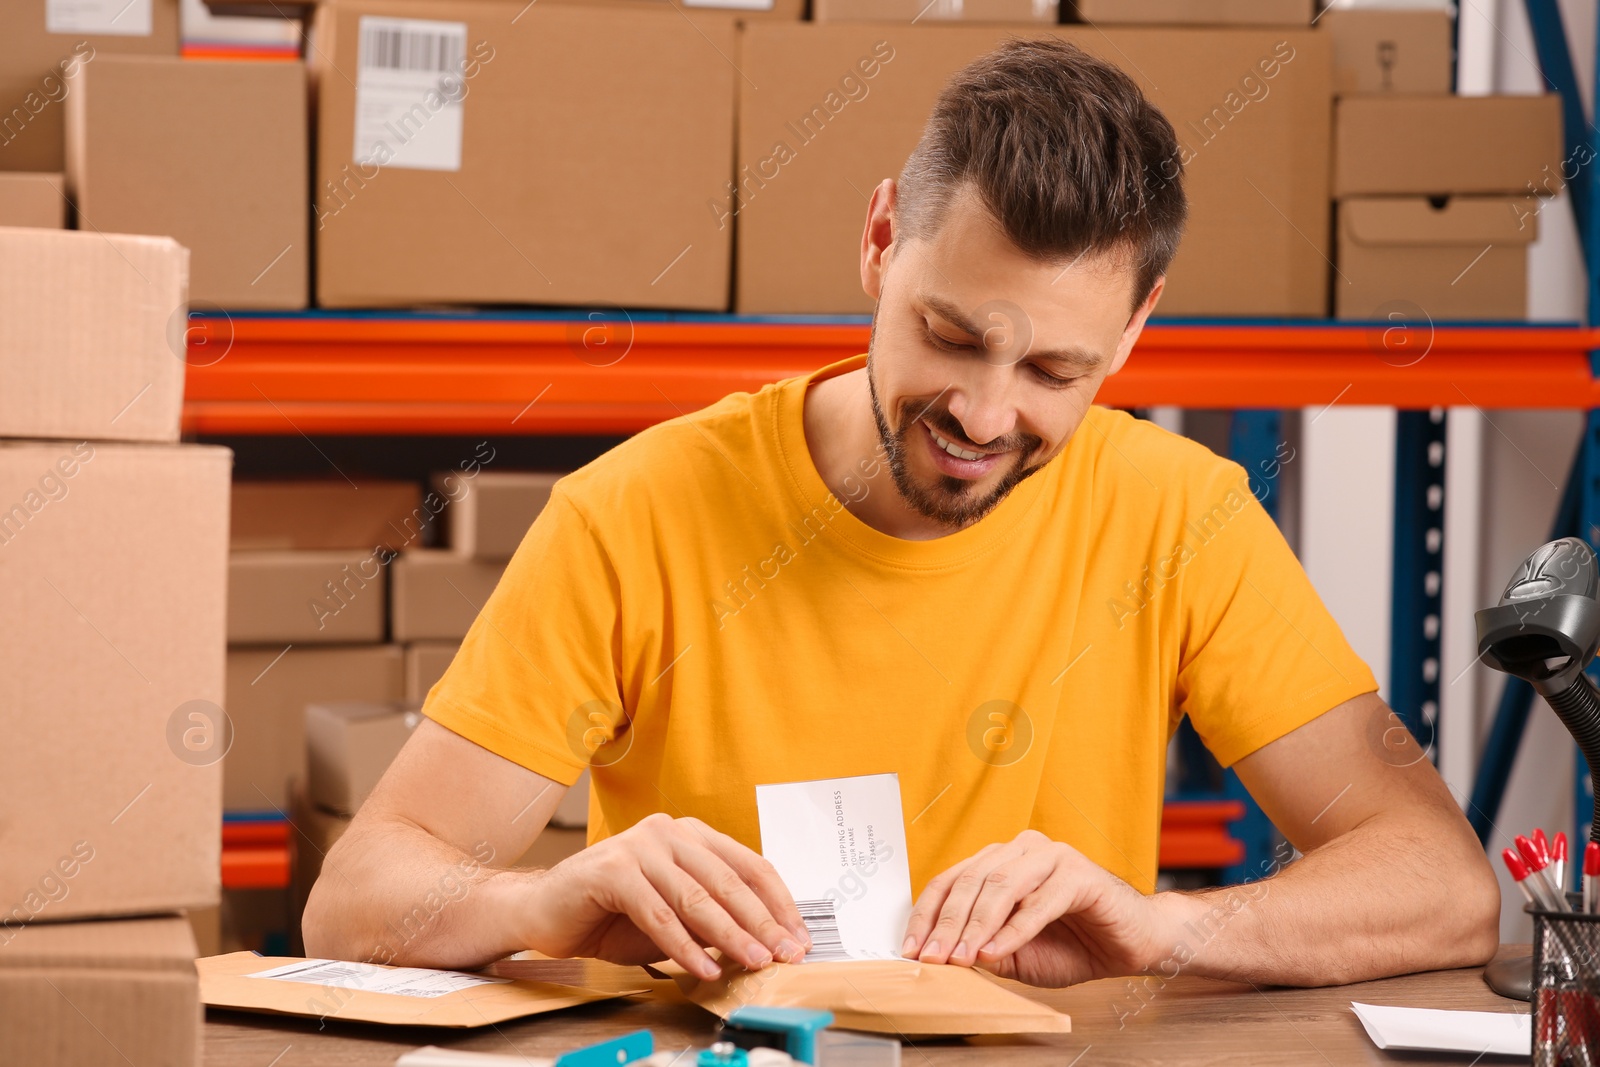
(799, 1027)
(613, 1053)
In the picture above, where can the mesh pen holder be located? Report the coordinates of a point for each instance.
(1566, 987)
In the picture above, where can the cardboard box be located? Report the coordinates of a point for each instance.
(326, 514)
(306, 597)
(42, 44)
(1197, 12)
(425, 664)
(34, 200)
(349, 744)
(113, 559)
(87, 335)
(437, 594)
(101, 994)
(1443, 145)
(210, 152)
(268, 691)
(931, 11)
(1258, 240)
(1378, 51)
(497, 189)
(490, 513)
(206, 924)
(1464, 259)
(315, 831)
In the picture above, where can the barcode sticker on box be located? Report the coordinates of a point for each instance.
(370, 978)
(410, 84)
(114, 18)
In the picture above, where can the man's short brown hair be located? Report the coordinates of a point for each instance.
(1064, 151)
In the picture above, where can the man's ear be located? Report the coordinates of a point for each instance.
(1130, 332)
(877, 237)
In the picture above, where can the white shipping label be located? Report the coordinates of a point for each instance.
(410, 84)
(839, 844)
(115, 18)
(370, 978)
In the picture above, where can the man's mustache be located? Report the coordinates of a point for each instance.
(949, 428)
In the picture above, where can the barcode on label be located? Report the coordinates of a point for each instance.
(823, 926)
(390, 46)
(330, 974)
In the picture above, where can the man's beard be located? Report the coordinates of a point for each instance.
(953, 502)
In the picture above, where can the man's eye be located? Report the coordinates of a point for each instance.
(1050, 379)
(939, 342)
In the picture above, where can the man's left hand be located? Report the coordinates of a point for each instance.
(1038, 911)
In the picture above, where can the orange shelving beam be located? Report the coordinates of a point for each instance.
(373, 374)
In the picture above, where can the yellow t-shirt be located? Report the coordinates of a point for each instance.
(700, 585)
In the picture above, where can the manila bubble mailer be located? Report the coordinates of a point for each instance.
(840, 846)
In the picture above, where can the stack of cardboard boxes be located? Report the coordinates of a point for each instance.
(113, 556)
(339, 623)
(1437, 196)
(830, 109)
(98, 113)
(446, 132)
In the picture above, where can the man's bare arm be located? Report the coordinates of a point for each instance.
(417, 880)
(1392, 879)
(418, 877)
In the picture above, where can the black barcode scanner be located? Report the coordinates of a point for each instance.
(1545, 630)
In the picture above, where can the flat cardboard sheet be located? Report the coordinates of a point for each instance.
(225, 983)
(901, 997)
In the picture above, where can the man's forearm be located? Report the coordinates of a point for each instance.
(390, 892)
(1394, 895)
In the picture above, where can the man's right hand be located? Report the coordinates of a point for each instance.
(666, 887)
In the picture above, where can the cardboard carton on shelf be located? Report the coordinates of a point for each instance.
(33, 200)
(268, 691)
(924, 12)
(100, 994)
(486, 183)
(437, 594)
(490, 513)
(1442, 145)
(1250, 108)
(322, 514)
(111, 647)
(349, 744)
(425, 664)
(1461, 258)
(87, 335)
(43, 43)
(1195, 12)
(331, 597)
(211, 152)
(1377, 50)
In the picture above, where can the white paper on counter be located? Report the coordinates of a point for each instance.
(839, 844)
(1437, 1030)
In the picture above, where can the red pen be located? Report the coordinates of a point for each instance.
(1544, 891)
(1541, 845)
(1591, 877)
(1558, 860)
(1519, 872)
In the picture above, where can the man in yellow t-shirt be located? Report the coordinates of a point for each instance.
(940, 560)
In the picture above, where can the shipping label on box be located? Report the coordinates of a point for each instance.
(118, 18)
(410, 89)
